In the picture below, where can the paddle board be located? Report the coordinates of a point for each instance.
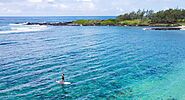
(65, 83)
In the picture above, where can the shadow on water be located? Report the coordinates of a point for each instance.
(63, 93)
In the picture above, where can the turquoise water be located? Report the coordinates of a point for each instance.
(101, 62)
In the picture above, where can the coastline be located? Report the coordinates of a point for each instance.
(98, 23)
(170, 19)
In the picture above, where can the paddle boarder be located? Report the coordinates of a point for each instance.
(62, 81)
(62, 77)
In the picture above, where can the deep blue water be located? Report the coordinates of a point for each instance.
(101, 62)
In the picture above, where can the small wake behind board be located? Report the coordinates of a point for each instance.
(65, 83)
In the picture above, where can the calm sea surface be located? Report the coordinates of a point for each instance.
(101, 62)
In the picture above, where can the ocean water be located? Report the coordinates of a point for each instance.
(101, 62)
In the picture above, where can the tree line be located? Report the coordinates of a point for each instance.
(168, 16)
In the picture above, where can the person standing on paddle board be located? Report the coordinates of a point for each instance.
(62, 77)
(62, 81)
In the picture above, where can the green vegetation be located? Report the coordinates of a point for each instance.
(87, 22)
(96, 22)
(136, 15)
(182, 24)
(163, 18)
(170, 17)
(108, 22)
(135, 22)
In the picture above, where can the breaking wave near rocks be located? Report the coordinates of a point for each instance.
(17, 28)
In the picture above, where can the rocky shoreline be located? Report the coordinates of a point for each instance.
(152, 27)
(163, 28)
(73, 23)
(166, 28)
(53, 24)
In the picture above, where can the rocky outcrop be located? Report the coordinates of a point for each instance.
(54, 24)
(163, 28)
(98, 23)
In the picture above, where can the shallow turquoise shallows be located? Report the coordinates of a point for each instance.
(101, 62)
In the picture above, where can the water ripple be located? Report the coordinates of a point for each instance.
(100, 62)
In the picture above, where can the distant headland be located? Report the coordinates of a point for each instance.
(164, 18)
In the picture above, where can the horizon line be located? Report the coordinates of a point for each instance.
(55, 15)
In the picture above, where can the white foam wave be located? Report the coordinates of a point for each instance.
(182, 27)
(18, 24)
(16, 28)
